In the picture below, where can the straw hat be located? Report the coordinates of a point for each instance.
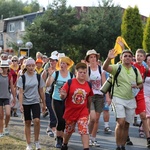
(91, 52)
(66, 60)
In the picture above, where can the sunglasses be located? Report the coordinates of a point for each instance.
(14, 60)
(127, 56)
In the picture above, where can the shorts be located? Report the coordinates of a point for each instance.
(34, 108)
(147, 102)
(124, 108)
(4, 102)
(141, 107)
(97, 103)
(82, 126)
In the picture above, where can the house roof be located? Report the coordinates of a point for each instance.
(23, 16)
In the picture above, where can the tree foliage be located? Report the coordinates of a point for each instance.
(60, 29)
(11, 8)
(146, 37)
(131, 28)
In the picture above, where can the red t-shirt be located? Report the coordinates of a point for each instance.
(142, 70)
(77, 99)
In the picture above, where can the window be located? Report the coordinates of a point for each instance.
(22, 26)
(11, 27)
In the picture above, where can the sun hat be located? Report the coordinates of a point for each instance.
(127, 51)
(61, 55)
(91, 52)
(14, 58)
(54, 53)
(39, 61)
(4, 63)
(66, 60)
(80, 65)
(29, 61)
(54, 57)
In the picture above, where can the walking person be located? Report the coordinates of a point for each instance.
(6, 84)
(63, 65)
(77, 97)
(13, 71)
(51, 129)
(140, 100)
(123, 99)
(96, 76)
(30, 93)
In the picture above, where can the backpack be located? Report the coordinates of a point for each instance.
(99, 69)
(110, 84)
(54, 82)
(24, 80)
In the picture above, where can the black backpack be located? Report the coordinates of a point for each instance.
(24, 80)
(54, 82)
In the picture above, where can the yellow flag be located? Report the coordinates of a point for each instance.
(118, 48)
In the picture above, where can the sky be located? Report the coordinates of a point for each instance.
(143, 5)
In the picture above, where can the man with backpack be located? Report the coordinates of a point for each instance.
(77, 93)
(123, 94)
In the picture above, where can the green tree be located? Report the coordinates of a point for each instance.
(131, 28)
(54, 30)
(11, 8)
(103, 26)
(146, 37)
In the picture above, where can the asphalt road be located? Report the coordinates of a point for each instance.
(107, 141)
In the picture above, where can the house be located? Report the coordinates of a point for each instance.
(12, 29)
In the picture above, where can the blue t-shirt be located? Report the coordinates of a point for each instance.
(59, 83)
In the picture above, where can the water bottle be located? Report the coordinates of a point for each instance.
(107, 85)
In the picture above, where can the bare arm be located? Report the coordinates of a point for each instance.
(13, 91)
(21, 98)
(89, 103)
(42, 96)
(44, 75)
(106, 63)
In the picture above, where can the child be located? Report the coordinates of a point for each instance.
(77, 101)
(141, 107)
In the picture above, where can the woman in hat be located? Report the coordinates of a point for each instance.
(30, 93)
(96, 76)
(6, 83)
(63, 65)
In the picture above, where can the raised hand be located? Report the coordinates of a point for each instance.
(111, 54)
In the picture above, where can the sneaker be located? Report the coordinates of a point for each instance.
(64, 147)
(118, 148)
(1, 135)
(148, 143)
(95, 144)
(141, 133)
(50, 132)
(90, 143)
(6, 131)
(123, 148)
(15, 114)
(107, 130)
(129, 142)
(58, 142)
(37, 146)
(29, 147)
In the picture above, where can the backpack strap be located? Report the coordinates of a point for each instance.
(71, 75)
(23, 81)
(56, 77)
(90, 84)
(136, 73)
(38, 78)
(115, 80)
(99, 69)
